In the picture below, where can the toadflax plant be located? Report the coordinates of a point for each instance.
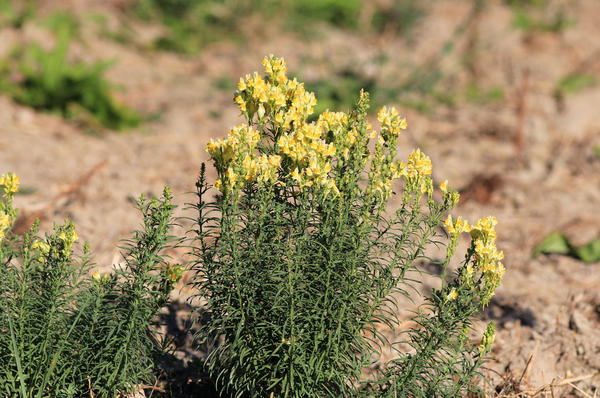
(298, 261)
(66, 334)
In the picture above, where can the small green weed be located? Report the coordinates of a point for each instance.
(122, 34)
(558, 243)
(574, 83)
(524, 20)
(339, 92)
(401, 16)
(16, 13)
(527, 3)
(48, 81)
(191, 24)
(63, 22)
(475, 93)
(340, 13)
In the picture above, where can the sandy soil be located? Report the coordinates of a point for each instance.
(528, 159)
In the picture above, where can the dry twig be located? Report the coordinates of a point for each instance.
(24, 223)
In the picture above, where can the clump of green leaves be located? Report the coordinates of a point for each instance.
(299, 262)
(559, 243)
(529, 19)
(401, 16)
(14, 13)
(476, 93)
(574, 83)
(47, 80)
(339, 92)
(341, 13)
(191, 24)
(65, 334)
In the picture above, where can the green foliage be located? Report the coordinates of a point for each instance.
(50, 82)
(527, 3)
(16, 13)
(122, 34)
(558, 243)
(574, 83)
(64, 332)
(475, 93)
(191, 24)
(298, 262)
(341, 13)
(524, 20)
(401, 15)
(339, 92)
(63, 23)
(419, 88)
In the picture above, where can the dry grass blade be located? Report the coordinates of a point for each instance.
(24, 222)
(554, 383)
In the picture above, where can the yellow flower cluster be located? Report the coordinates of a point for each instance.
(452, 295)
(285, 101)
(487, 341)
(382, 172)
(417, 171)
(174, 273)
(450, 197)
(486, 254)
(68, 236)
(42, 246)
(457, 227)
(101, 278)
(236, 161)
(10, 183)
(391, 123)
(4, 223)
(310, 156)
(240, 140)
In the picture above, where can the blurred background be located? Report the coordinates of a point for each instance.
(101, 101)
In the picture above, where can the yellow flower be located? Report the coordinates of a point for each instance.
(4, 223)
(10, 182)
(391, 123)
(346, 153)
(296, 175)
(419, 164)
(174, 273)
(275, 160)
(457, 227)
(241, 103)
(488, 339)
(41, 246)
(449, 224)
(484, 229)
(444, 186)
(241, 84)
(231, 176)
(452, 295)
